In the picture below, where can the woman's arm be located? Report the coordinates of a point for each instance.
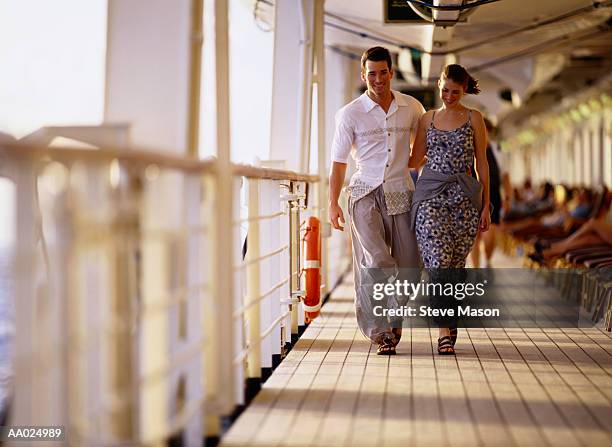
(482, 166)
(417, 154)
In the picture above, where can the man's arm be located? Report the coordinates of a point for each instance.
(336, 180)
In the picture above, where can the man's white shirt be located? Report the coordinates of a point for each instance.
(379, 143)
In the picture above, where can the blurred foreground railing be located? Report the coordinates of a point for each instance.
(120, 336)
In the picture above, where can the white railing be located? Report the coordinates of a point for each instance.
(120, 335)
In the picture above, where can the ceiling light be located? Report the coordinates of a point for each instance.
(445, 12)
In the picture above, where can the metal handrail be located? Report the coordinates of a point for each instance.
(262, 257)
(143, 156)
(239, 312)
(260, 344)
(129, 155)
(253, 219)
(273, 174)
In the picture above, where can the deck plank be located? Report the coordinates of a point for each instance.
(505, 387)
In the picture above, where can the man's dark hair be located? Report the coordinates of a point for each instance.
(376, 54)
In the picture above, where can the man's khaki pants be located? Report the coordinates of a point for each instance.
(382, 245)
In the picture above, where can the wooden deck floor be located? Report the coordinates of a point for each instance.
(504, 387)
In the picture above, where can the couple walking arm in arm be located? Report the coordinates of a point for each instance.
(379, 128)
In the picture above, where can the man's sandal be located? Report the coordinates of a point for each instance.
(445, 346)
(386, 349)
(453, 335)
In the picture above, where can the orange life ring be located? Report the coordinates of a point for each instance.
(312, 265)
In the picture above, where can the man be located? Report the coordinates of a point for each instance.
(380, 126)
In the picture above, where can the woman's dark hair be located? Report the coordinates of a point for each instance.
(376, 54)
(458, 74)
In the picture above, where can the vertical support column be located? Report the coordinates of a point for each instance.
(148, 63)
(24, 404)
(321, 199)
(607, 145)
(587, 153)
(195, 69)
(285, 122)
(252, 314)
(224, 248)
(571, 154)
(219, 367)
(578, 157)
(307, 61)
(594, 142)
(121, 349)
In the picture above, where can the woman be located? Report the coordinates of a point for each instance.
(449, 205)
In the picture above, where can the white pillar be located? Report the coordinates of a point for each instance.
(307, 8)
(578, 157)
(321, 200)
(284, 142)
(587, 153)
(269, 241)
(23, 410)
(597, 148)
(253, 273)
(148, 71)
(607, 147)
(224, 244)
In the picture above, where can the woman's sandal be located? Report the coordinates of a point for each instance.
(445, 346)
(386, 349)
(453, 335)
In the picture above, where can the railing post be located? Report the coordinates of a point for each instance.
(115, 324)
(285, 262)
(294, 263)
(224, 247)
(193, 333)
(24, 407)
(122, 347)
(270, 272)
(238, 277)
(253, 273)
(154, 342)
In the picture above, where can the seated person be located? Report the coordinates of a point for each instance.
(530, 205)
(567, 213)
(597, 231)
(527, 194)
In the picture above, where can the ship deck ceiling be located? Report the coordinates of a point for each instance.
(559, 58)
(505, 386)
(486, 23)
